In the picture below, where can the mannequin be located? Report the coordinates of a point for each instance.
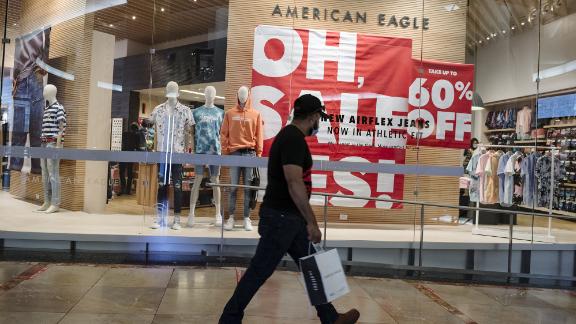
(173, 123)
(242, 135)
(53, 130)
(207, 133)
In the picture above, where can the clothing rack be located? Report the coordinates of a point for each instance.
(519, 146)
(550, 206)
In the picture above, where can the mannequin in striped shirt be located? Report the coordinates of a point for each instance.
(53, 130)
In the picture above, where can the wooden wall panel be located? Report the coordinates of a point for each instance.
(445, 40)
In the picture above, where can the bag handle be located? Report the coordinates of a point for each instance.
(317, 247)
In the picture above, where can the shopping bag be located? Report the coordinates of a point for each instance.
(255, 183)
(323, 276)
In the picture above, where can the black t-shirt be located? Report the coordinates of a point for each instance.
(289, 147)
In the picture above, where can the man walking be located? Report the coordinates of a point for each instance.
(287, 222)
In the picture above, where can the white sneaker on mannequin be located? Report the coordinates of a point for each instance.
(191, 220)
(44, 207)
(248, 224)
(52, 209)
(176, 225)
(218, 220)
(229, 224)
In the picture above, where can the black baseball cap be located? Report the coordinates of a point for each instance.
(308, 104)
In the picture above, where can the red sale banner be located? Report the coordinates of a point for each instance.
(363, 80)
(440, 100)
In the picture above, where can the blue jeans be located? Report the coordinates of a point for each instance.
(280, 233)
(28, 112)
(51, 178)
(235, 173)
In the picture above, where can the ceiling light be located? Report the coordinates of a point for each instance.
(522, 23)
(480, 41)
(513, 27)
(494, 35)
(162, 9)
(133, 17)
(111, 25)
(487, 38)
(503, 32)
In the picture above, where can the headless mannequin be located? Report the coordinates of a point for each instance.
(168, 173)
(242, 96)
(243, 93)
(49, 93)
(210, 94)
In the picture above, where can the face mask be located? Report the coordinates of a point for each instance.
(315, 128)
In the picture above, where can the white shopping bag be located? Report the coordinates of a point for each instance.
(324, 277)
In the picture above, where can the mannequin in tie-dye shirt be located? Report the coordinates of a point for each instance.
(208, 120)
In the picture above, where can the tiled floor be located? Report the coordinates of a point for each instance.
(48, 293)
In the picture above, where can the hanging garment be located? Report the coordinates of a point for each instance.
(518, 185)
(488, 122)
(481, 172)
(529, 178)
(474, 179)
(523, 122)
(491, 195)
(509, 172)
(502, 175)
(543, 171)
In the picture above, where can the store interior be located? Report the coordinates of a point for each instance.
(508, 44)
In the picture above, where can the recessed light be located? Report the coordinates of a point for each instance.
(503, 32)
(480, 42)
(133, 17)
(513, 27)
(487, 38)
(111, 25)
(162, 9)
(494, 35)
(522, 23)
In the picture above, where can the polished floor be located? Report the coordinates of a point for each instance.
(55, 293)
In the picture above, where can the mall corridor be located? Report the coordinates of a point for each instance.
(69, 293)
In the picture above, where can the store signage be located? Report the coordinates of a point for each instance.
(557, 106)
(347, 16)
(362, 79)
(440, 99)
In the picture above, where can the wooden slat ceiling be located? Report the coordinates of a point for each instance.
(491, 20)
(161, 21)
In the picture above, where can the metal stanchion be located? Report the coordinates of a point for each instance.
(511, 216)
(325, 220)
(221, 252)
(421, 235)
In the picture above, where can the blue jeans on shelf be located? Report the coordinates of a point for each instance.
(51, 178)
(28, 112)
(235, 173)
(280, 233)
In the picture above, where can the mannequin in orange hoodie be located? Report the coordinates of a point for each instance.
(241, 135)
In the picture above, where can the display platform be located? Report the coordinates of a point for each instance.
(444, 245)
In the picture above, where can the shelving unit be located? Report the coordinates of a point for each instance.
(560, 126)
(532, 141)
(500, 130)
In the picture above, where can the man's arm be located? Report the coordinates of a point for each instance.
(298, 192)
